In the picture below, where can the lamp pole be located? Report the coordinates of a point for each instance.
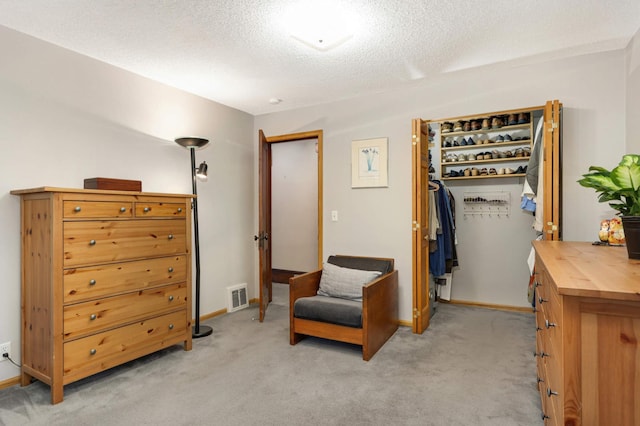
(193, 143)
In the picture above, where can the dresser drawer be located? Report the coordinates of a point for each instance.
(92, 242)
(92, 282)
(89, 317)
(146, 209)
(95, 209)
(98, 352)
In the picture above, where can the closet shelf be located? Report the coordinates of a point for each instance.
(484, 176)
(498, 130)
(493, 160)
(486, 145)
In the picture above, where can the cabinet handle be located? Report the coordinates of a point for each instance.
(92, 282)
(92, 242)
(541, 300)
(92, 351)
(550, 392)
(170, 268)
(179, 209)
(77, 209)
(123, 209)
(170, 298)
(92, 317)
(170, 236)
(170, 326)
(549, 324)
(146, 209)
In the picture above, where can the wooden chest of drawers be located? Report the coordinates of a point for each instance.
(588, 329)
(106, 278)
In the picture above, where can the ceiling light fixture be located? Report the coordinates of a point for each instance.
(320, 25)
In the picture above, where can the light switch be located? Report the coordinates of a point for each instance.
(334, 215)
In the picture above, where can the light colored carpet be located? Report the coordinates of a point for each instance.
(473, 366)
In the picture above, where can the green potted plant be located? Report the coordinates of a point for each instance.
(620, 187)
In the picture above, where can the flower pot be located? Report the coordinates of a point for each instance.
(631, 225)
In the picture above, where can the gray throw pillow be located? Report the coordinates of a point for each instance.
(344, 283)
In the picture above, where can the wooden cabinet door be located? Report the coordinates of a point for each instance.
(552, 170)
(420, 237)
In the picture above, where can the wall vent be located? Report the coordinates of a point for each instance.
(237, 297)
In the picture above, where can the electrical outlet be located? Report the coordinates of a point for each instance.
(5, 348)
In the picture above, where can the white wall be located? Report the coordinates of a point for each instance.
(294, 199)
(65, 117)
(378, 221)
(633, 95)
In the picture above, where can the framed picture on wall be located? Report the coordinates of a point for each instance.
(369, 166)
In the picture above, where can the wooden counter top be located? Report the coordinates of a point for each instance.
(586, 270)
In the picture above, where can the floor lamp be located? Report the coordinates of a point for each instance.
(193, 143)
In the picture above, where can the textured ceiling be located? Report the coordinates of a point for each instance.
(239, 53)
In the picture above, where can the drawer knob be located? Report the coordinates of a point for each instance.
(77, 209)
(170, 268)
(146, 209)
(92, 282)
(545, 417)
(539, 329)
(170, 298)
(549, 324)
(550, 392)
(92, 242)
(540, 380)
(537, 284)
(123, 209)
(541, 300)
(92, 351)
(179, 209)
(92, 317)
(170, 326)
(170, 236)
(542, 354)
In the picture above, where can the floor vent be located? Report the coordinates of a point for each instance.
(237, 297)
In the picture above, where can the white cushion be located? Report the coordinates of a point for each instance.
(344, 283)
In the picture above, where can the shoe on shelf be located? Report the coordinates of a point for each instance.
(501, 171)
(486, 124)
(512, 119)
(509, 171)
(447, 143)
(522, 169)
(492, 171)
(475, 125)
(472, 157)
(484, 172)
(466, 126)
(523, 118)
(457, 127)
(507, 138)
(474, 171)
(467, 172)
(447, 127)
(470, 141)
(499, 138)
(463, 142)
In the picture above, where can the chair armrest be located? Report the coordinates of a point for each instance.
(304, 285)
(379, 312)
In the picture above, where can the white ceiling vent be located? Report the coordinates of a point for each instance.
(237, 297)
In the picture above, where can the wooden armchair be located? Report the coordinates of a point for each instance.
(369, 322)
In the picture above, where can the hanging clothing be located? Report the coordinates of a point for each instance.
(445, 234)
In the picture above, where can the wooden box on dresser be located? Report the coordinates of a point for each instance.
(106, 278)
(588, 329)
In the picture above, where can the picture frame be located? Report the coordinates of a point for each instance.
(369, 163)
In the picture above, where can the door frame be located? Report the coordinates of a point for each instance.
(264, 204)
